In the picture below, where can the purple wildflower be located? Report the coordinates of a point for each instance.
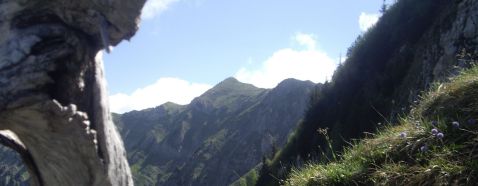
(472, 121)
(434, 123)
(403, 134)
(440, 135)
(434, 131)
(455, 124)
(424, 148)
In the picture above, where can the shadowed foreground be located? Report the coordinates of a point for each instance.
(53, 104)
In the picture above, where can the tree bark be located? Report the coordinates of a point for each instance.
(53, 101)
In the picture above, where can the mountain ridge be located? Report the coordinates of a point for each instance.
(228, 128)
(186, 146)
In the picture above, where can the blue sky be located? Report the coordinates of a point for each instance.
(184, 47)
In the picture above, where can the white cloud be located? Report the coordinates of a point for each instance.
(304, 64)
(153, 8)
(165, 89)
(307, 40)
(367, 20)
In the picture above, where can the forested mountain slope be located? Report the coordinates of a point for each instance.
(219, 136)
(414, 44)
(433, 145)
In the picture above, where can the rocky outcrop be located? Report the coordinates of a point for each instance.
(450, 45)
(53, 104)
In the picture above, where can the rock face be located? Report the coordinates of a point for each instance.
(448, 46)
(215, 139)
(53, 104)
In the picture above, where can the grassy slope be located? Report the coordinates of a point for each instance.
(383, 72)
(248, 179)
(389, 158)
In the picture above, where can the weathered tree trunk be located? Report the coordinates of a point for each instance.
(53, 101)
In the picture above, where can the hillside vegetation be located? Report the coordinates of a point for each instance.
(226, 130)
(434, 145)
(414, 44)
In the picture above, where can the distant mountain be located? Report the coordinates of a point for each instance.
(219, 136)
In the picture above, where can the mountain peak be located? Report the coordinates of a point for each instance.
(293, 83)
(231, 79)
(229, 82)
(170, 104)
(170, 107)
(225, 93)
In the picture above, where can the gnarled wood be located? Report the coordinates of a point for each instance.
(53, 96)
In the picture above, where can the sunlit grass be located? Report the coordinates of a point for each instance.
(434, 145)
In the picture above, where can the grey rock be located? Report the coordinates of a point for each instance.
(53, 101)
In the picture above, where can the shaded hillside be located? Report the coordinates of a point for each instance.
(227, 129)
(216, 138)
(413, 44)
(434, 145)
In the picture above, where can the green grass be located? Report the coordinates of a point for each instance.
(387, 158)
(248, 179)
